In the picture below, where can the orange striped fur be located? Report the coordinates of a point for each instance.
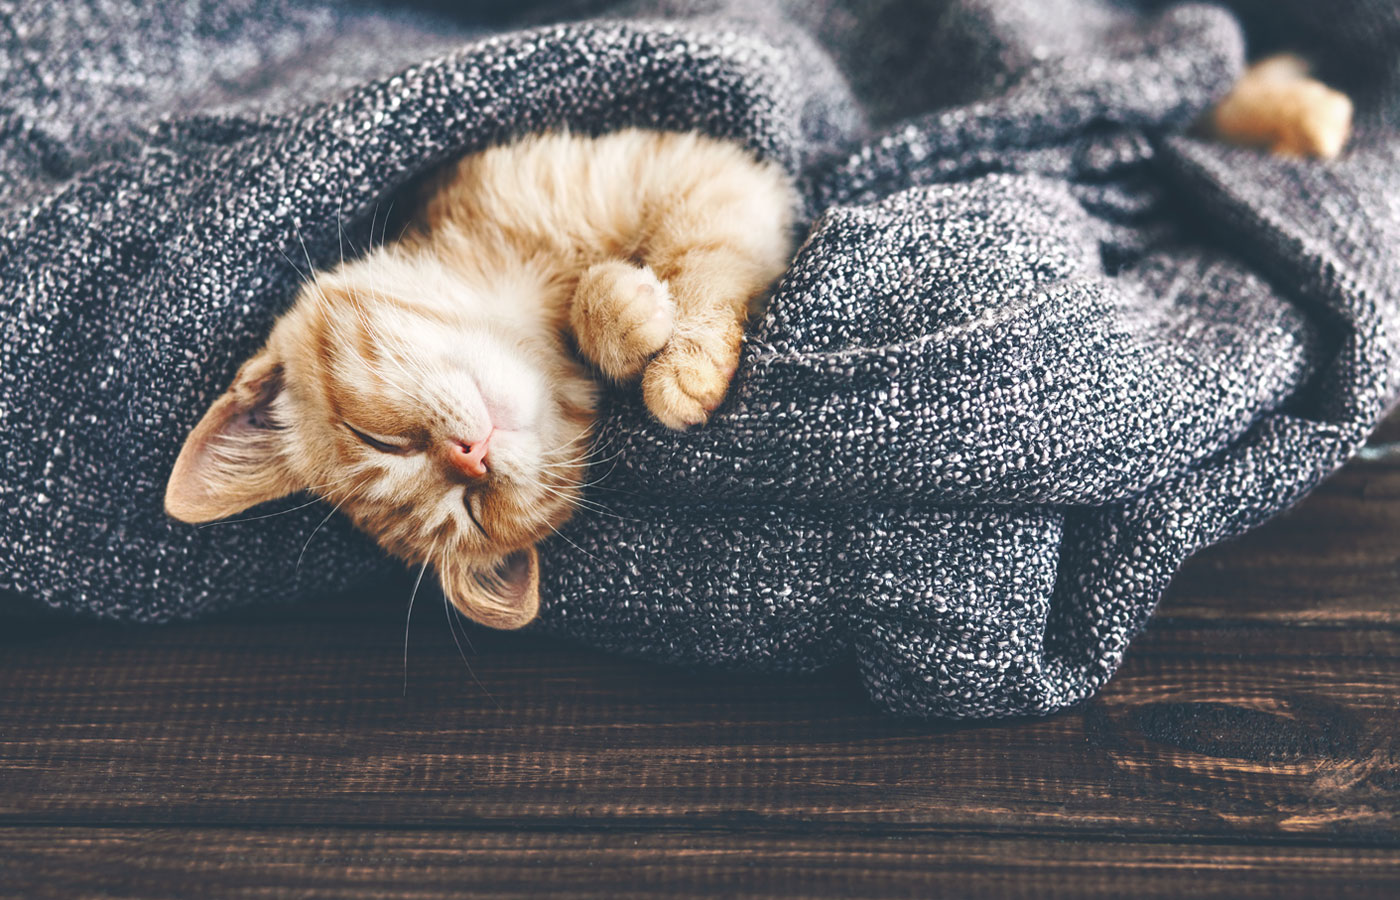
(646, 250)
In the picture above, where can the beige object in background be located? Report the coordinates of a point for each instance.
(1277, 107)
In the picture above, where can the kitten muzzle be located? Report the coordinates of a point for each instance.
(469, 457)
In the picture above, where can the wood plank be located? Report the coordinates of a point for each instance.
(333, 863)
(1215, 732)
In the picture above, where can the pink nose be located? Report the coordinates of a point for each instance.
(469, 458)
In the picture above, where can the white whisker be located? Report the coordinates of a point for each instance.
(566, 538)
(408, 620)
(590, 505)
(282, 512)
(449, 609)
(297, 569)
(296, 268)
(304, 252)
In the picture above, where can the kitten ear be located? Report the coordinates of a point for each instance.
(505, 595)
(232, 459)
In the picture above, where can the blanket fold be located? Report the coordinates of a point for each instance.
(1040, 343)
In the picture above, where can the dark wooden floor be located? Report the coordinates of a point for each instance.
(1250, 747)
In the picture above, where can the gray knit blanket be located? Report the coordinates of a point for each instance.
(1039, 346)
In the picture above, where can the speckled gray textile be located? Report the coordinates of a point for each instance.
(1039, 347)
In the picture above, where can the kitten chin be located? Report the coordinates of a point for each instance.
(429, 390)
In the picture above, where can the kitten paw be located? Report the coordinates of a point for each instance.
(1277, 107)
(687, 381)
(622, 316)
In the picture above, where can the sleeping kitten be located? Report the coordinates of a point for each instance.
(429, 390)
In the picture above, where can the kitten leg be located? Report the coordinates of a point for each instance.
(621, 317)
(1277, 107)
(712, 289)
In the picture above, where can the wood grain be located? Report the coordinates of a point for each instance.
(1219, 731)
(343, 864)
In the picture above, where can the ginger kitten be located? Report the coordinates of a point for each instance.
(429, 389)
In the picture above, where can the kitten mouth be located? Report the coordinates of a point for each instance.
(469, 500)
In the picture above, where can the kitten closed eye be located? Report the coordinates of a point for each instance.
(380, 442)
(644, 250)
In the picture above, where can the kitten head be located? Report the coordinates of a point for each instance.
(450, 425)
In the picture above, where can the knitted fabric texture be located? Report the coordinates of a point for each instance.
(1039, 346)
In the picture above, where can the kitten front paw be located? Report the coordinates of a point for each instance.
(622, 316)
(688, 380)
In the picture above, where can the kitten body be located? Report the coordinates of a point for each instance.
(430, 389)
